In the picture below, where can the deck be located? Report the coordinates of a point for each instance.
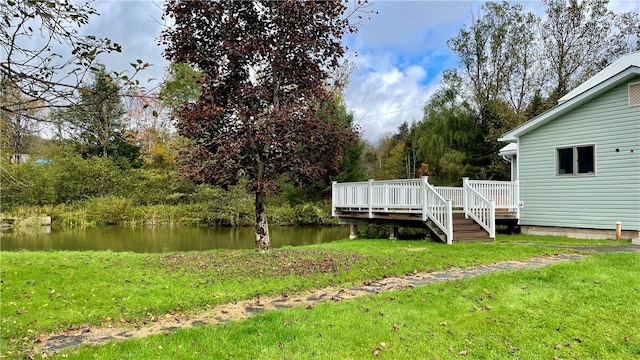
(451, 213)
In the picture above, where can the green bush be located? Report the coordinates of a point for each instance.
(282, 215)
(109, 210)
(308, 214)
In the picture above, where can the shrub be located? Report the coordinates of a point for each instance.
(109, 210)
(308, 214)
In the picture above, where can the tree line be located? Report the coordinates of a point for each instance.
(513, 65)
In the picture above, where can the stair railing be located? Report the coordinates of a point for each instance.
(479, 208)
(437, 209)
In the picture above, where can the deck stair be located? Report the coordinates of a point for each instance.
(467, 230)
(464, 230)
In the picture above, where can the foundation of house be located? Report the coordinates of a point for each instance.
(580, 233)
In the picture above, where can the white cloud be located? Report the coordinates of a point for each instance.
(383, 96)
(401, 53)
(136, 26)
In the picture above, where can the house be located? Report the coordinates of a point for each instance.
(578, 164)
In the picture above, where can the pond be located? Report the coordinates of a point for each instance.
(166, 239)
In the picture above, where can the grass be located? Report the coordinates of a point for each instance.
(581, 310)
(44, 292)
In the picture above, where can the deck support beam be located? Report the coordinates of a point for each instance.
(393, 233)
(353, 233)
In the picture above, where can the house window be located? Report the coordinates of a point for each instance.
(575, 160)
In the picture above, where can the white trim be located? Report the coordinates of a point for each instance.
(625, 61)
(518, 164)
(509, 149)
(560, 109)
(575, 173)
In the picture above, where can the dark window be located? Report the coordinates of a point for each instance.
(565, 161)
(576, 160)
(585, 159)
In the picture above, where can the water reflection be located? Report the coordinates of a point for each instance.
(166, 239)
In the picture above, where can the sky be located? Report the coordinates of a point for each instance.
(400, 53)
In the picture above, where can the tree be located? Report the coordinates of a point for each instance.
(497, 55)
(577, 42)
(149, 128)
(265, 66)
(16, 126)
(627, 35)
(46, 56)
(95, 122)
(450, 140)
(182, 86)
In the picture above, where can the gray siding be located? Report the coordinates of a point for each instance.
(589, 201)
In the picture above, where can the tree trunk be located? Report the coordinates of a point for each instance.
(262, 228)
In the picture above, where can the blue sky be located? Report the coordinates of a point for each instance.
(399, 54)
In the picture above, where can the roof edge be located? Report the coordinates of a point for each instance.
(514, 134)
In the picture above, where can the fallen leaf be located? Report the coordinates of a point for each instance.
(463, 353)
(444, 323)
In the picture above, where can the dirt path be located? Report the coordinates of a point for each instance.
(53, 343)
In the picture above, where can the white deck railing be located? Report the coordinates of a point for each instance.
(351, 195)
(479, 208)
(455, 194)
(396, 195)
(478, 198)
(504, 193)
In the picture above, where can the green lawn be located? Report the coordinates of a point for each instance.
(587, 309)
(45, 292)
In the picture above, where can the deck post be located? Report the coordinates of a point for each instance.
(492, 219)
(353, 233)
(425, 182)
(370, 200)
(393, 233)
(333, 198)
(465, 197)
(517, 196)
(450, 222)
